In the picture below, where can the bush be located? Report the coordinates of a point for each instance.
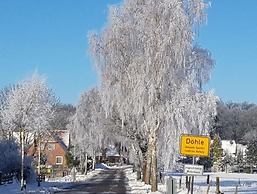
(10, 158)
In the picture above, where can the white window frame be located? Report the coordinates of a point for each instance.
(56, 160)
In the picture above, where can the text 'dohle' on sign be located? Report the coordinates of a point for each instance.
(194, 145)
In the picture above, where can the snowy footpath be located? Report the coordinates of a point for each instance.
(229, 184)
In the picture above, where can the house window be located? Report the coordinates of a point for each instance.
(59, 160)
(51, 146)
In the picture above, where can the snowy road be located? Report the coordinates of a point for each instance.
(107, 181)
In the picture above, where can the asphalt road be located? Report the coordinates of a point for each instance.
(111, 181)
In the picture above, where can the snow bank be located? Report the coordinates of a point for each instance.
(229, 183)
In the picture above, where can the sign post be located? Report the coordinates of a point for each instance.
(191, 145)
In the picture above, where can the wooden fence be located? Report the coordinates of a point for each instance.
(6, 178)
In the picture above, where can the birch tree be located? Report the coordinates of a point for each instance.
(62, 113)
(150, 72)
(86, 125)
(91, 129)
(28, 108)
(3, 97)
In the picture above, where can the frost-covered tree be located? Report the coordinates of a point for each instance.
(216, 152)
(3, 95)
(249, 123)
(251, 154)
(9, 156)
(28, 109)
(152, 75)
(240, 159)
(91, 131)
(236, 121)
(86, 125)
(62, 113)
(227, 160)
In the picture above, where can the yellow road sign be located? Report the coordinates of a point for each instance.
(191, 145)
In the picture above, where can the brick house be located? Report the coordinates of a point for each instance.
(53, 149)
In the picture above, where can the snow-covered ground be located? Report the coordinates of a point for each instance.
(229, 183)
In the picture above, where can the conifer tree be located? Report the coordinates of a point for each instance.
(240, 160)
(251, 153)
(216, 151)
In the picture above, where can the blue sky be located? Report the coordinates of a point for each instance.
(50, 37)
(231, 36)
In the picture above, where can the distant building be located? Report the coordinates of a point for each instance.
(230, 147)
(113, 156)
(53, 149)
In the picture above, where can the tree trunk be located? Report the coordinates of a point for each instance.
(154, 166)
(22, 159)
(153, 150)
(85, 164)
(93, 162)
(148, 162)
(39, 155)
(151, 162)
(151, 158)
(144, 170)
